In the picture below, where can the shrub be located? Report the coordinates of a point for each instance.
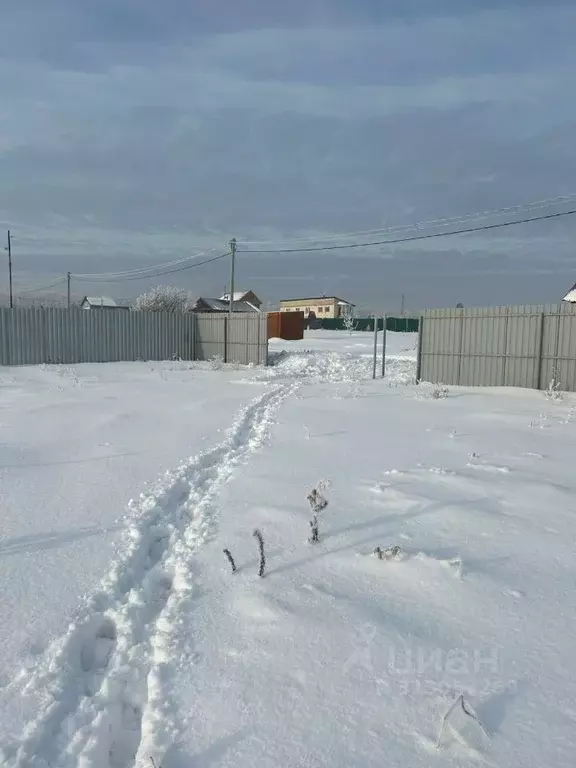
(216, 362)
(554, 392)
(433, 391)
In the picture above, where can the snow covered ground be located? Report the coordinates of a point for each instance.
(126, 637)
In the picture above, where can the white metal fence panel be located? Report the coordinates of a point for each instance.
(520, 346)
(248, 339)
(211, 336)
(243, 339)
(38, 335)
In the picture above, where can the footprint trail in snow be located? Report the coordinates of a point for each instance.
(102, 691)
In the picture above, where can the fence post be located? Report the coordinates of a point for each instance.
(262, 321)
(46, 358)
(225, 355)
(375, 347)
(538, 361)
(557, 343)
(461, 347)
(194, 326)
(505, 356)
(384, 346)
(5, 349)
(419, 353)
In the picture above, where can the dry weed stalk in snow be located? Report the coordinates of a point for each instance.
(260, 538)
(230, 559)
(317, 503)
(216, 362)
(69, 373)
(354, 389)
(554, 391)
(390, 553)
(439, 392)
(432, 390)
(314, 538)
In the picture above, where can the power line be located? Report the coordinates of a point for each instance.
(145, 273)
(535, 205)
(100, 279)
(143, 270)
(38, 288)
(415, 237)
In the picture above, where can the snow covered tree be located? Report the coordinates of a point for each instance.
(163, 298)
(349, 319)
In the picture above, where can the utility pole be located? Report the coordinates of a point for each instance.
(384, 323)
(232, 266)
(375, 346)
(9, 249)
(402, 306)
(69, 279)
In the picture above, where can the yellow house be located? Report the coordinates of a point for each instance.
(321, 306)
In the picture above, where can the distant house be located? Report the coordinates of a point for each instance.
(102, 303)
(318, 306)
(219, 305)
(571, 295)
(248, 296)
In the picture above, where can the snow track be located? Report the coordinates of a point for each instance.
(100, 694)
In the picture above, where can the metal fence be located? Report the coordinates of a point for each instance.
(522, 346)
(33, 336)
(398, 324)
(241, 339)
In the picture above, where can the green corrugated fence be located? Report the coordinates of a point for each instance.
(402, 324)
(398, 324)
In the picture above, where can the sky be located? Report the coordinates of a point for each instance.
(134, 132)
